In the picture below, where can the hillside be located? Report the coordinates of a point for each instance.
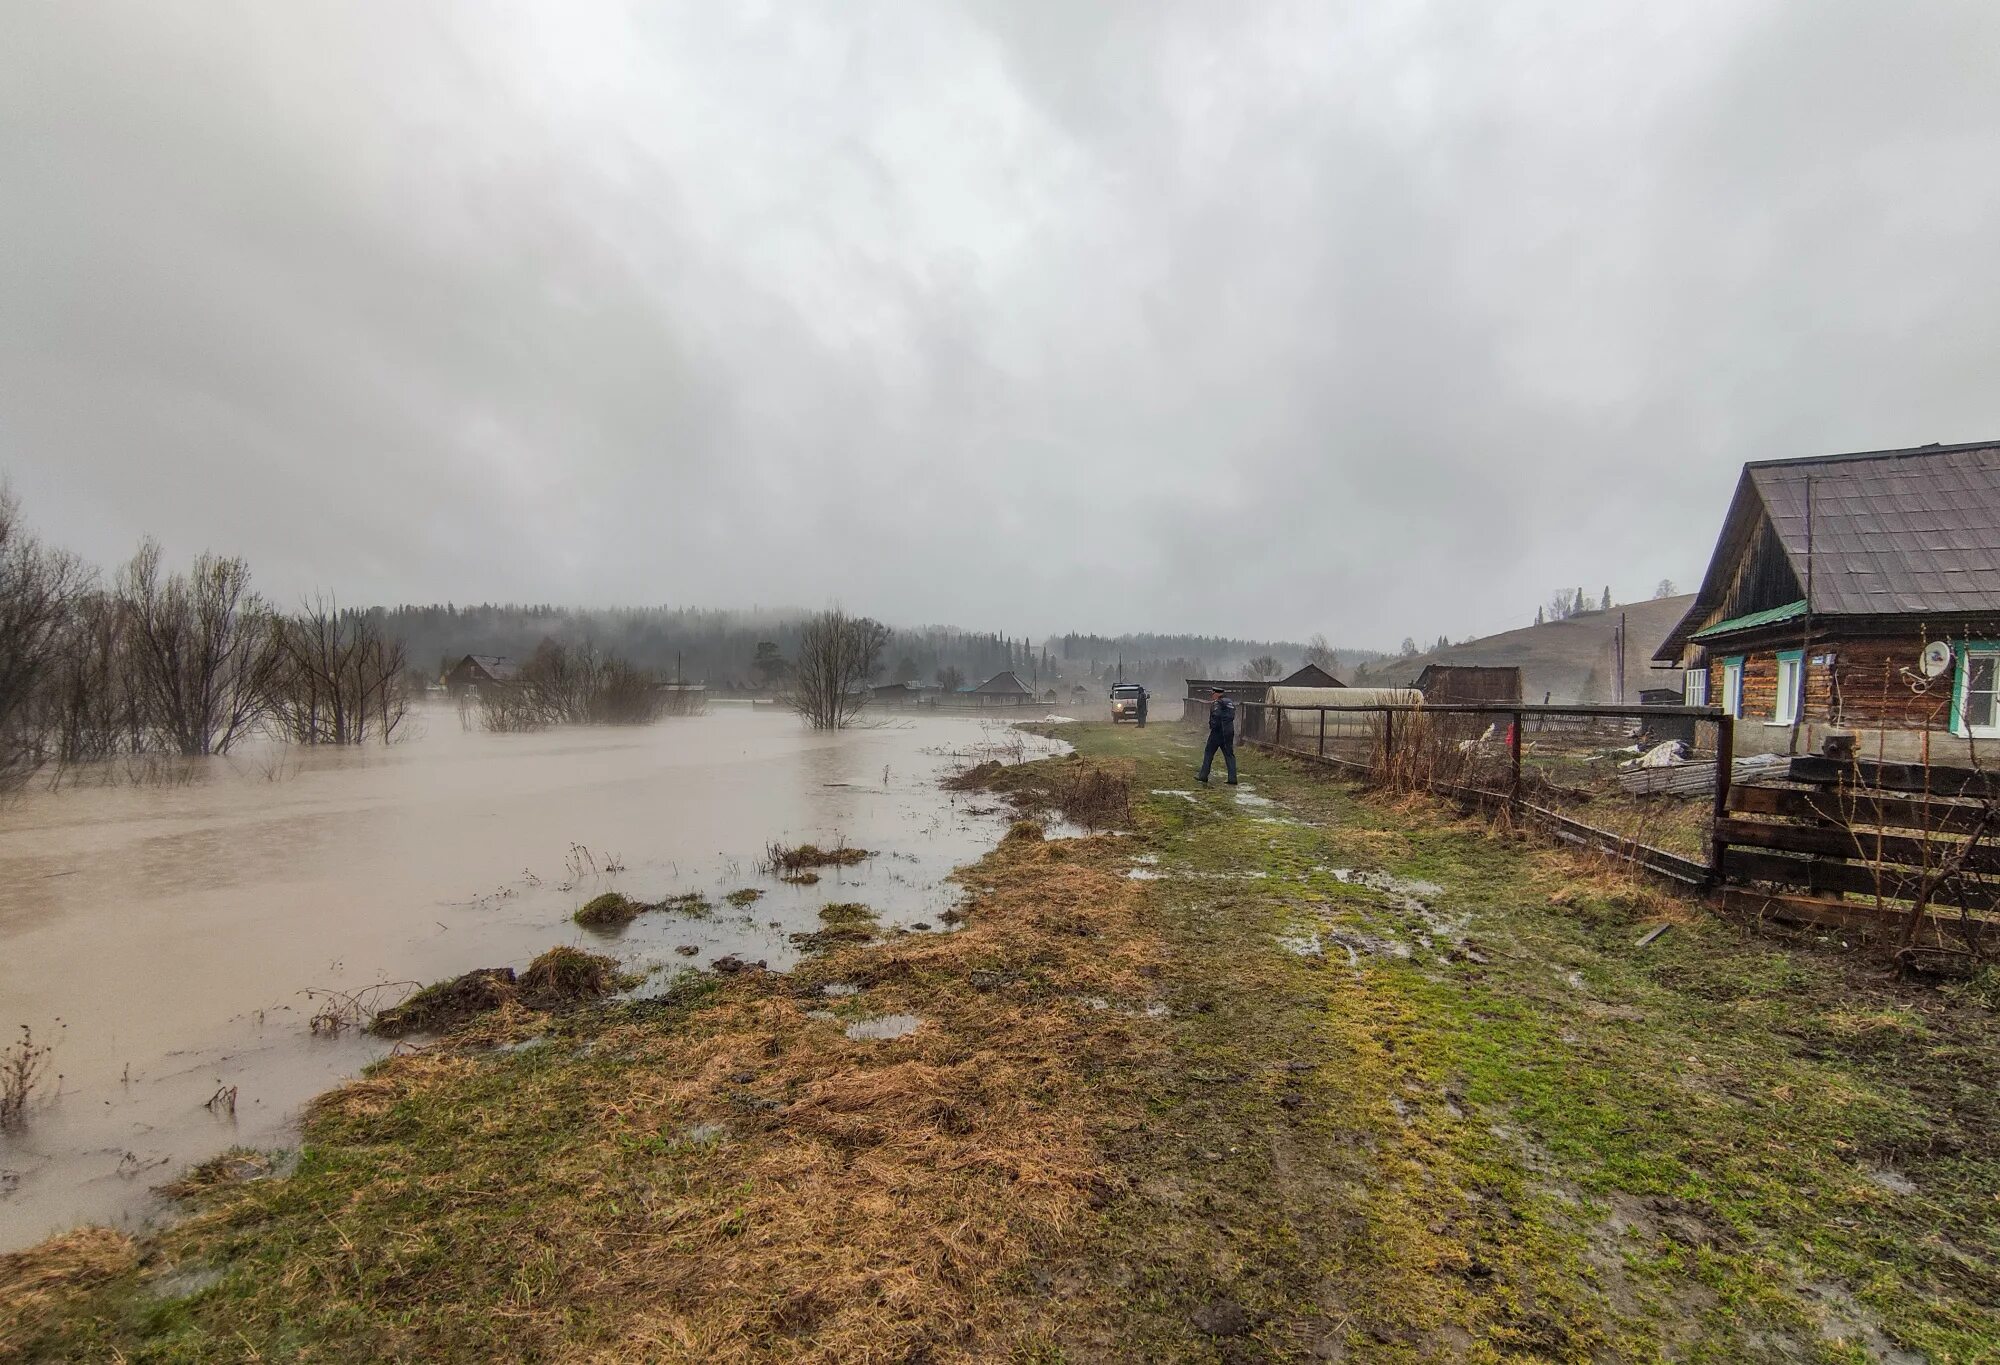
(1569, 661)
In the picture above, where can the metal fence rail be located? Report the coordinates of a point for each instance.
(1474, 753)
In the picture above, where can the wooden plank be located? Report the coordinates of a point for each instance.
(1851, 807)
(1899, 777)
(1843, 843)
(1854, 916)
(1819, 874)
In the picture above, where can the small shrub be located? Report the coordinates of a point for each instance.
(21, 1068)
(613, 907)
(1024, 831)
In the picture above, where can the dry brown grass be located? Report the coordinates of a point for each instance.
(36, 1281)
(873, 1214)
(865, 1200)
(1093, 793)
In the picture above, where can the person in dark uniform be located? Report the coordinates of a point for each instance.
(1221, 735)
(1143, 694)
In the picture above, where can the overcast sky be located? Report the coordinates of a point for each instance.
(1370, 319)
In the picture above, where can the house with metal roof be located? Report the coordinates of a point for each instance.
(1858, 593)
(477, 671)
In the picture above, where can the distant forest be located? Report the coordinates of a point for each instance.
(745, 649)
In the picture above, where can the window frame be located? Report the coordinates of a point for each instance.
(1961, 684)
(1694, 686)
(1732, 696)
(1781, 714)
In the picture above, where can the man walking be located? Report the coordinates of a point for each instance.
(1221, 735)
(1142, 708)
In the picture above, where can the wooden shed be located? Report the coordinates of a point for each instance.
(1470, 684)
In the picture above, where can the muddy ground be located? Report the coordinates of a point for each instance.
(1279, 1073)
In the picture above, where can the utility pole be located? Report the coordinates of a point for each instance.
(1805, 653)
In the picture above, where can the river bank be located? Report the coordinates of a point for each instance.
(1283, 1072)
(174, 941)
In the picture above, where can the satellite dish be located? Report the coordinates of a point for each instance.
(1937, 659)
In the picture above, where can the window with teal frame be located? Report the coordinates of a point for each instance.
(1975, 692)
(1791, 682)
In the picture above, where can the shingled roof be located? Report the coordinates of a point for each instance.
(1894, 532)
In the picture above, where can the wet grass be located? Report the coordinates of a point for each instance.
(1527, 1138)
(1256, 1107)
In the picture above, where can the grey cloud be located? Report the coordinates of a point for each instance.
(1255, 320)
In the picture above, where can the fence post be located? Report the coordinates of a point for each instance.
(1514, 760)
(1322, 732)
(1725, 760)
(1388, 743)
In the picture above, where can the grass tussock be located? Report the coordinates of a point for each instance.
(233, 1167)
(745, 896)
(789, 860)
(611, 908)
(565, 976)
(1092, 792)
(559, 979)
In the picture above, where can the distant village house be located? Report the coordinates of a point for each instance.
(477, 671)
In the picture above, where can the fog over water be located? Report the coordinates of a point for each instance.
(1263, 320)
(172, 928)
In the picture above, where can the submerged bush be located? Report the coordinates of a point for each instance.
(791, 860)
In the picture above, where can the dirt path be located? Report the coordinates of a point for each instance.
(1280, 1074)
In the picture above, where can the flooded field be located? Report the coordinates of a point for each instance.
(163, 936)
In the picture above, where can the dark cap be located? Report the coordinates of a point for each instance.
(1216, 691)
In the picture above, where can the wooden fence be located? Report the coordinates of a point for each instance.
(1327, 734)
(1906, 854)
(1889, 851)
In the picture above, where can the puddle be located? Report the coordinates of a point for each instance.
(837, 990)
(1142, 874)
(1895, 1182)
(417, 861)
(883, 1027)
(1245, 796)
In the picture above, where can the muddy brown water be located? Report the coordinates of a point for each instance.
(162, 936)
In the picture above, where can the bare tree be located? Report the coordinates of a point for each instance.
(837, 656)
(1666, 589)
(1320, 653)
(951, 677)
(204, 649)
(92, 706)
(38, 590)
(576, 685)
(337, 681)
(1263, 666)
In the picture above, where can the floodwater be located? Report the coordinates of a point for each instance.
(163, 936)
